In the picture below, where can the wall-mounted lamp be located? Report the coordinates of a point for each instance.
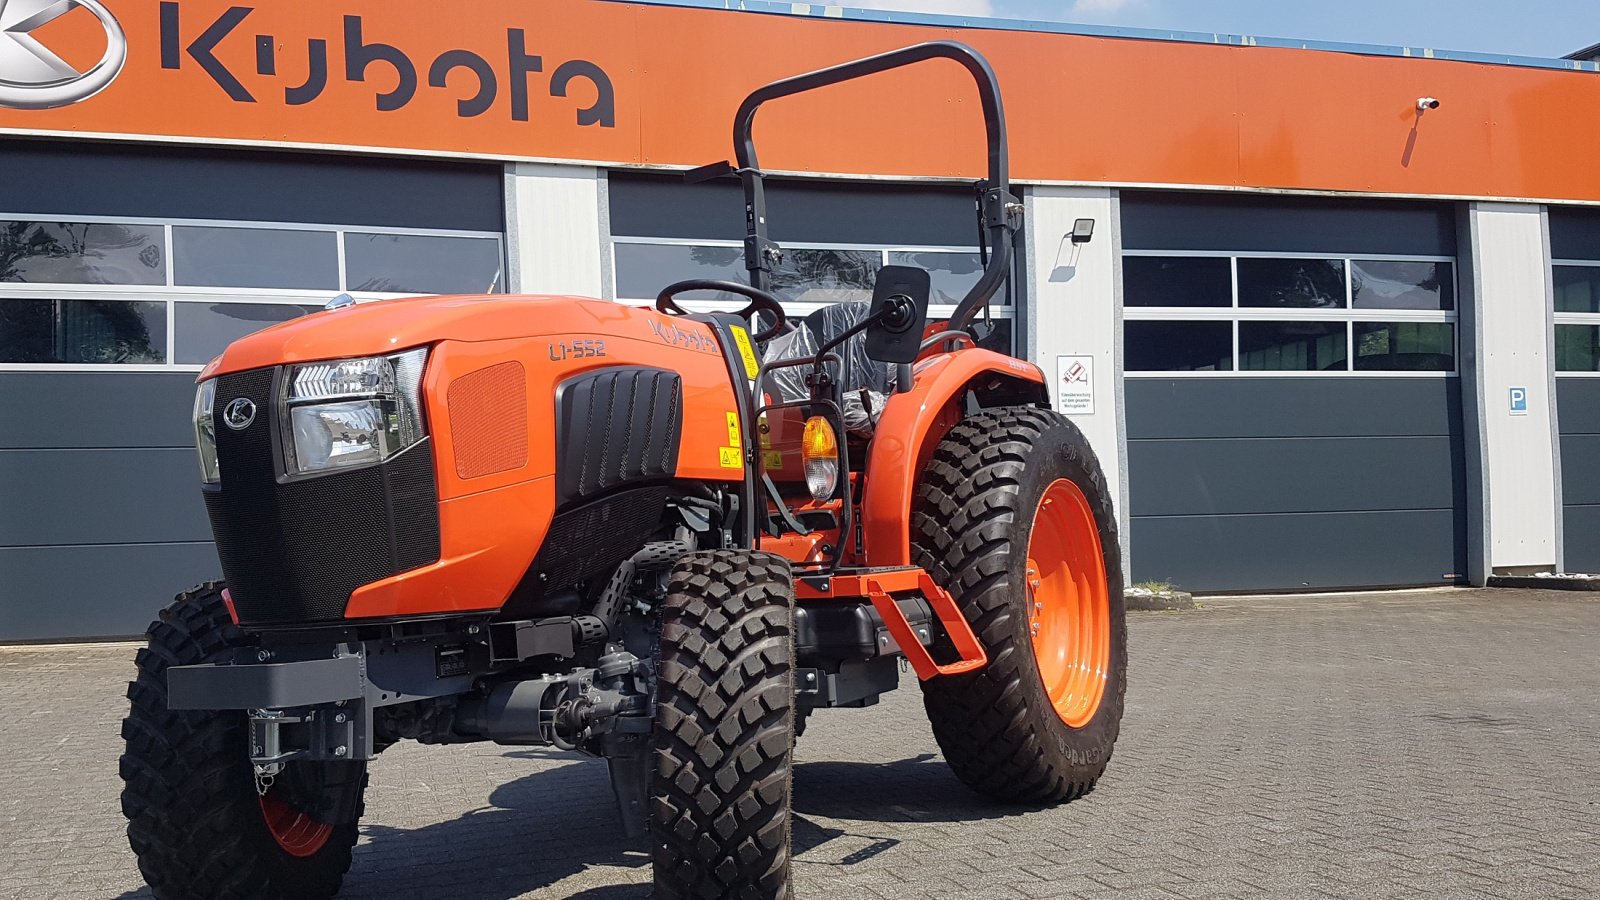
(1083, 231)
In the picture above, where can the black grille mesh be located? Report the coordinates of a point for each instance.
(595, 538)
(294, 552)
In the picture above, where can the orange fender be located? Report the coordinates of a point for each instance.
(911, 426)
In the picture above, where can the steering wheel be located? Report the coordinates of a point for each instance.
(760, 301)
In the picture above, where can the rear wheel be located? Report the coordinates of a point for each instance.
(1014, 518)
(724, 729)
(196, 819)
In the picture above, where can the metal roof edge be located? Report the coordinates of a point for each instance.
(885, 16)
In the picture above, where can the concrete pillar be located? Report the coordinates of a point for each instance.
(1508, 389)
(1074, 322)
(553, 229)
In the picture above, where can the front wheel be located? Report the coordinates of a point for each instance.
(720, 782)
(1013, 517)
(198, 820)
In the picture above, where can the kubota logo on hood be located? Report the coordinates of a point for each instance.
(34, 77)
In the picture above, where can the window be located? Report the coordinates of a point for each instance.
(1577, 348)
(422, 264)
(806, 275)
(82, 253)
(1383, 284)
(92, 332)
(954, 274)
(809, 277)
(101, 291)
(1405, 347)
(1577, 288)
(827, 276)
(644, 269)
(202, 331)
(1282, 313)
(1179, 347)
(1177, 282)
(255, 258)
(1292, 283)
(1292, 346)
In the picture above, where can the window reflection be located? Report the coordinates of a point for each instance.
(1292, 346)
(422, 264)
(644, 269)
(1578, 348)
(827, 276)
(83, 331)
(1405, 346)
(204, 256)
(82, 253)
(201, 331)
(1291, 283)
(954, 274)
(1384, 284)
(1577, 289)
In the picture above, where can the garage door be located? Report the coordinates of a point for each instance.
(1575, 246)
(122, 272)
(1293, 404)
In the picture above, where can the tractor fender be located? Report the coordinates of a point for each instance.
(913, 423)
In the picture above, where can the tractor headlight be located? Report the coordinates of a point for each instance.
(351, 412)
(205, 431)
(819, 450)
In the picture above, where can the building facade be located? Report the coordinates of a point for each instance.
(1326, 334)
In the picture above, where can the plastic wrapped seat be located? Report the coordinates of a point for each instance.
(865, 383)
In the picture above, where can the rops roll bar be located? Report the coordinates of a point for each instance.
(999, 211)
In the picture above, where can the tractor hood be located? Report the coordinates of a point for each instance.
(385, 326)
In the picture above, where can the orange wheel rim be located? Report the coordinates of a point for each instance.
(1069, 608)
(297, 833)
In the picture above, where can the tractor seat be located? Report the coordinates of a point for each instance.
(857, 372)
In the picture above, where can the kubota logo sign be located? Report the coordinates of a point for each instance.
(366, 56)
(32, 76)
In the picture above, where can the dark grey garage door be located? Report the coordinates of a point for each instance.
(1579, 409)
(1294, 413)
(123, 271)
(1575, 247)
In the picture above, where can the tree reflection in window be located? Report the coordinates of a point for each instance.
(81, 253)
(83, 331)
(1291, 283)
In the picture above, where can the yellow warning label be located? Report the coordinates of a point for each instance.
(747, 352)
(733, 431)
(772, 459)
(732, 458)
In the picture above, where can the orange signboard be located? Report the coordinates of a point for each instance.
(636, 84)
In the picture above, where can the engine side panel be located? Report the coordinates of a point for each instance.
(498, 496)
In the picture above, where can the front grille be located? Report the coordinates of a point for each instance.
(294, 551)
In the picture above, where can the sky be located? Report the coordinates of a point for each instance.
(1547, 28)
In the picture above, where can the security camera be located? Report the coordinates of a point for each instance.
(1426, 103)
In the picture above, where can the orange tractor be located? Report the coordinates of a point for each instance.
(656, 537)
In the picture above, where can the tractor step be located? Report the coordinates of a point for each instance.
(879, 587)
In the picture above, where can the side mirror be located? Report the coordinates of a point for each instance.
(899, 313)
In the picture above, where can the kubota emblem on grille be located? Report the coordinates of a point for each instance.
(33, 77)
(240, 413)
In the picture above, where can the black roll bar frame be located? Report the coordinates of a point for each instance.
(999, 210)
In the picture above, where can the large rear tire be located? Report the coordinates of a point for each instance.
(196, 822)
(724, 729)
(1014, 518)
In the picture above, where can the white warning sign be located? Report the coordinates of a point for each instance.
(1075, 385)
